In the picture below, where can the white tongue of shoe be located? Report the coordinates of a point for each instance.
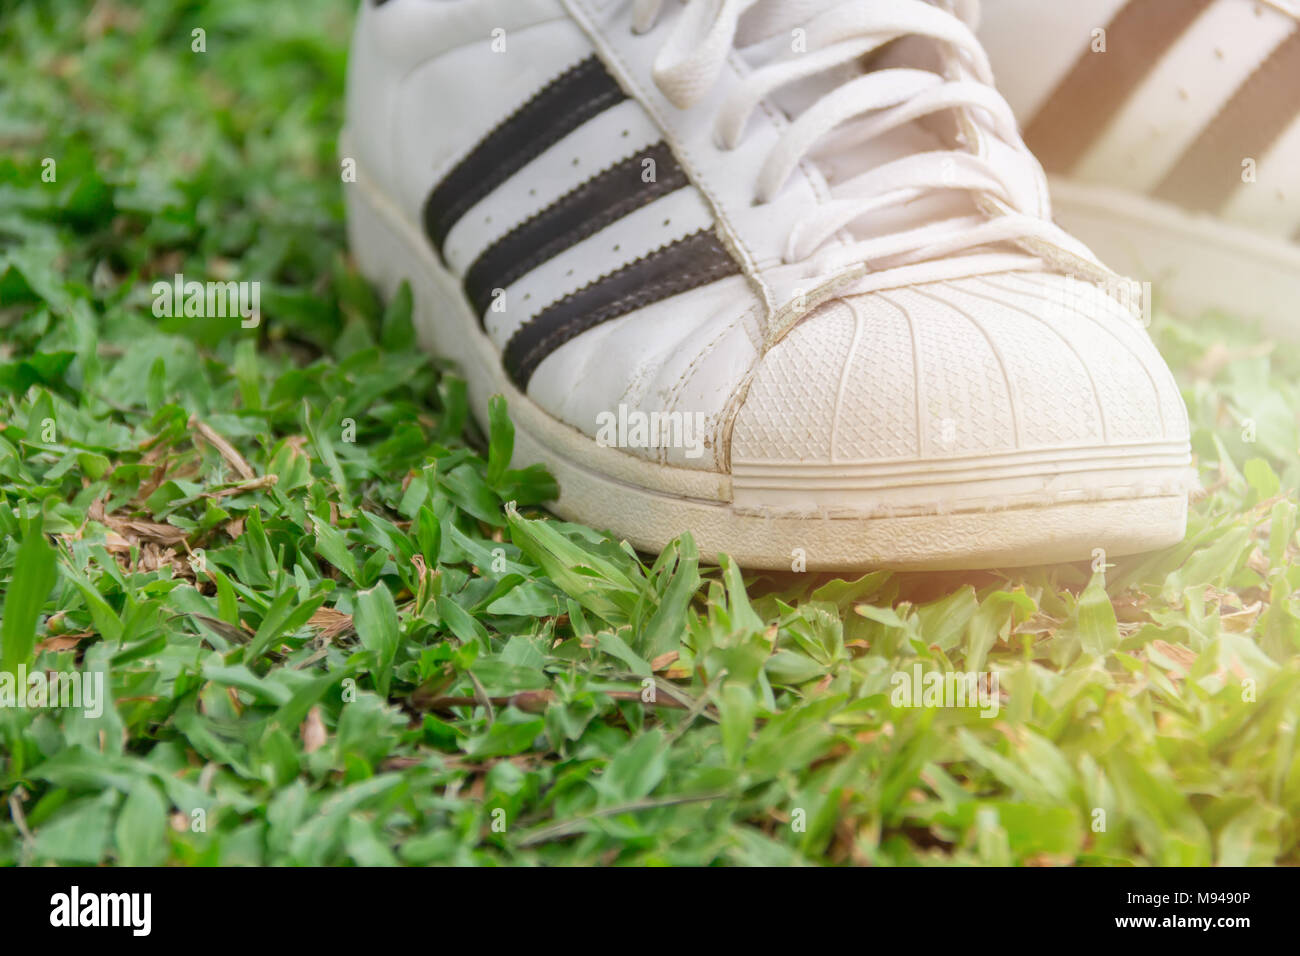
(772, 31)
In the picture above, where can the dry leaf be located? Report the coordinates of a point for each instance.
(239, 487)
(227, 451)
(663, 660)
(1175, 652)
(331, 622)
(62, 642)
(129, 529)
(313, 731)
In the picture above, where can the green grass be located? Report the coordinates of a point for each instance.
(353, 651)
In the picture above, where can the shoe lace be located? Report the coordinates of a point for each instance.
(853, 112)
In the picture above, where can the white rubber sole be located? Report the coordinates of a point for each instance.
(973, 513)
(1196, 263)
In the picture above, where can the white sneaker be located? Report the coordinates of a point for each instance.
(1171, 129)
(735, 283)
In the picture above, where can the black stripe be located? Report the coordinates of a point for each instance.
(585, 211)
(1077, 113)
(562, 106)
(696, 260)
(1209, 171)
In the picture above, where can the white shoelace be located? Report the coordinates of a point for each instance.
(867, 106)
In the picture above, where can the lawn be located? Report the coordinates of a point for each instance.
(337, 628)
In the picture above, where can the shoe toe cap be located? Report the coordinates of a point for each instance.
(1002, 365)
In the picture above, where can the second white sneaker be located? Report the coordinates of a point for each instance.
(1171, 131)
(780, 274)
